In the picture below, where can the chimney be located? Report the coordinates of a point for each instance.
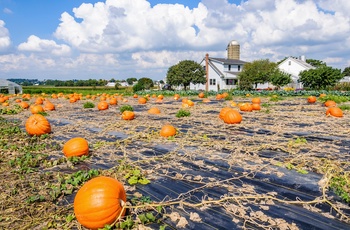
(302, 57)
(207, 72)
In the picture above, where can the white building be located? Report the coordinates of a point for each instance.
(294, 66)
(221, 73)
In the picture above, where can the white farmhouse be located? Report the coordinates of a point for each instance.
(221, 73)
(295, 66)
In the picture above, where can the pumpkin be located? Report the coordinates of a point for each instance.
(99, 202)
(160, 97)
(159, 100)
(311, 99)
(113, 101)
(232, 117)
(246, 107)
(224, 95)
(37, 124)
(167, 131)
(322, 95)
(154, 110)
(34, 109)
(256, 106)
(190, 103)
(330, 103)
(49, 106)
(142, 100)
(334, 111)
(201, 95)
(206, 100)
(219, 96)
(39, 101)
(24, 105)
(128, 115)
(18, 100)
(76, 146)
(223, 112)
(102, 105)
(256, 100)
(72, 99)
(135, 96)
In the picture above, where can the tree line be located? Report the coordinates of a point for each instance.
(260, 72)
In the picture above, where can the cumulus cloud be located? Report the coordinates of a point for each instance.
(35, 44)
(5, 41)
(118, 36)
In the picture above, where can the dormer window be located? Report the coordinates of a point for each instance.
(239, 68)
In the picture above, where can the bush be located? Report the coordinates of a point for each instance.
(126, 108)
(89, 105)
(183, 113)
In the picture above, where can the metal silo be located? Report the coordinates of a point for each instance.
(233, 50)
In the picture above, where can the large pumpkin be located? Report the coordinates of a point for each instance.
(142, 100)
(37, 124)
(76, 146)
(334, 111)
(99, 202)
(330, 103)
(49, 106)
(167, 131)
(311, 99)
(128, 115)
(154, 110)
(102, 105)
(223, 112)
(232, 117)
(256, 100)
(34, 109)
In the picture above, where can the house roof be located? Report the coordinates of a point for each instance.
(302, 63)
(228, 61)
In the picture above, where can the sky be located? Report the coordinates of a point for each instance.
(120, 39)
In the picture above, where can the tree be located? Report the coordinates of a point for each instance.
(280, 78)
(184, 73)
(320, 78)
(316, 63)
(112, 80)
(346, 71)
(256, 72)
(131, 81)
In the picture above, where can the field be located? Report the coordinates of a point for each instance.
(283, 167)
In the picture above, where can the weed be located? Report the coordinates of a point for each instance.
(126, 108)
(88, 105)
(341, 186)
(183, 113)
(344, 107)
(134, 176)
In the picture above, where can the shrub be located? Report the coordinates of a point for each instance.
(126, 108)
(89, 105)
(183, 113)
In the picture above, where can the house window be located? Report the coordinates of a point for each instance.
(229, 67)
(231, 82)
(289, 62)
(212, 81)
(239, 68)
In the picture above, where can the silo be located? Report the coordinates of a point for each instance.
(233, 50)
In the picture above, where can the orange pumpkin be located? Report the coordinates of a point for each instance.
(311, 99)
(322, 95)
(256, 100)
(34, 109)
(219, 96)
(136, 96)
(24, 105)
(49, 106)
(128, 115)
(154, 110)
(334, 111)
(201, 95)
(99, 202)
(102, 105)
(73, 100)
(256, 106)
(37, 124)
(223, 111)
(246, 107)
(206, 100)
(232, 117)
(39, 101)
(167, 131)
(113, 101)
(330, 103)
(224, 95)
(142, 100)
(76, 146)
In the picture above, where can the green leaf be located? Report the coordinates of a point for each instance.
(133, 180)
(144, 181)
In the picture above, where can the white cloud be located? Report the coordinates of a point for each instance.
(35, 44)
(5, 41)
(118, 37)
(7, 11)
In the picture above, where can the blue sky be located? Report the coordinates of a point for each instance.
(118, 39)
